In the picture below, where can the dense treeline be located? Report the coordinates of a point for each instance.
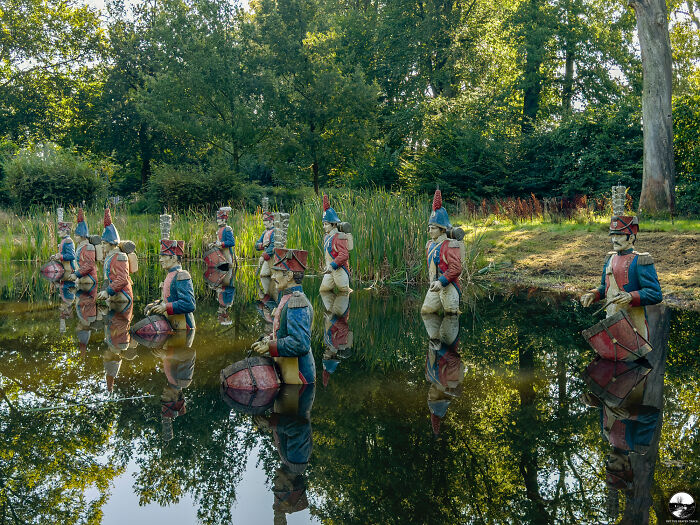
(488, 99)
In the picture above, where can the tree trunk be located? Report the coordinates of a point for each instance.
(658, 178)
(314, 169)
(567, 90)
(146, 154)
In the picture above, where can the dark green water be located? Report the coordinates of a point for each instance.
(516, 445)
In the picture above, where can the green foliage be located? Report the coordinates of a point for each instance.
(46, 175)
(686, 143)
(192, 186)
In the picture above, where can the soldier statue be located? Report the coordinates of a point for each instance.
(177, 302)
(116, 267)
(290, 341)
(336, 252)
(629, 280)
(444, 263)
(85, 274)
(266, 245)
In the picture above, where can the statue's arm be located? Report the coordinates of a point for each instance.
(298, 339)
(227, 238)
(454, 266)
(185, 301)
(649, 288)
(341, 246)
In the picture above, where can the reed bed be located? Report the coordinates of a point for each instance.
(581, 209)
(389, 233)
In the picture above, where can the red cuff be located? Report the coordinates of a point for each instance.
(169, 308)
(596, 294)
(273, 349)
(266, 256)
(636, 299)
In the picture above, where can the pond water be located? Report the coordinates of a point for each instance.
(496, 432)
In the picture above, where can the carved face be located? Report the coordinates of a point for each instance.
(167, 261)
(79, 239)
(434, 231)
(328, 226)
(108, 247)
(283, 279)
(622, 242)
(269, 223)
(221, 222)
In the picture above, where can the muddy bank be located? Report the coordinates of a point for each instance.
(573, 261)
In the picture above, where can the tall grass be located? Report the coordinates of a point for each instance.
(389, 233)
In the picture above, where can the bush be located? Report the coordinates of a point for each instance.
(45, 175)
(186, 186)
(686, 143)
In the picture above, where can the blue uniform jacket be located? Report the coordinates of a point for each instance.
(225, 236)
(178, 293)
(268, 250)
(292, 432)
(636, 274)
(293, 332)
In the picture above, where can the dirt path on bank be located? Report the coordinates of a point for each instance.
(573, 261)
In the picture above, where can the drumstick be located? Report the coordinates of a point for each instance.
(608, 303)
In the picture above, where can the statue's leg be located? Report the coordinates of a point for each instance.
(449, 297)
(432, 303)
(327, 283)
(266, 282)
(341, 279)
(265, 269)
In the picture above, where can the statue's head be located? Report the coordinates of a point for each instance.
(328, 226)
(222, 215)
(284, 279)
(622, 241)
(288, 267)
(268, 220)
(171, 252)
(168, 261)
(64, 229)
(434, 230)
(81, 229)
(329, 215)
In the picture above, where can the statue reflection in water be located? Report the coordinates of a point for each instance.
(223, 282)
(629, 396)
(444, 369)
(337, 336)
(290, 424)
(117, 322)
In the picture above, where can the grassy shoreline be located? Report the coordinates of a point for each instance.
(569, 257)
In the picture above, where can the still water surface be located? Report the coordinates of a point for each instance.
(495, 432)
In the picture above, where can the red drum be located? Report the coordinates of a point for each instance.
(617, 339)
(250, 385)
(614, 381)
(53, 271)
(214, 258)
(152, 331)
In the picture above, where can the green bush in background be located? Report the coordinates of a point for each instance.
(46, 175)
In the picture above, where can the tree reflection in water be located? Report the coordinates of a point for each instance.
(516, 446)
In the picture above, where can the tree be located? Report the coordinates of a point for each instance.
(47, 54)
(659, 176)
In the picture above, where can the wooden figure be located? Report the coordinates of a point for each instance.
(336, 250)
(629, 282)
(177, 302)
(290, 341)
(85, 275)
(117, 266)
(444, 258)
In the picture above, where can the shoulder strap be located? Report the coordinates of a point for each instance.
(183, 275)
(644, 259)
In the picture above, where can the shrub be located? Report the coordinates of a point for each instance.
(46, 175)
(686, 130)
